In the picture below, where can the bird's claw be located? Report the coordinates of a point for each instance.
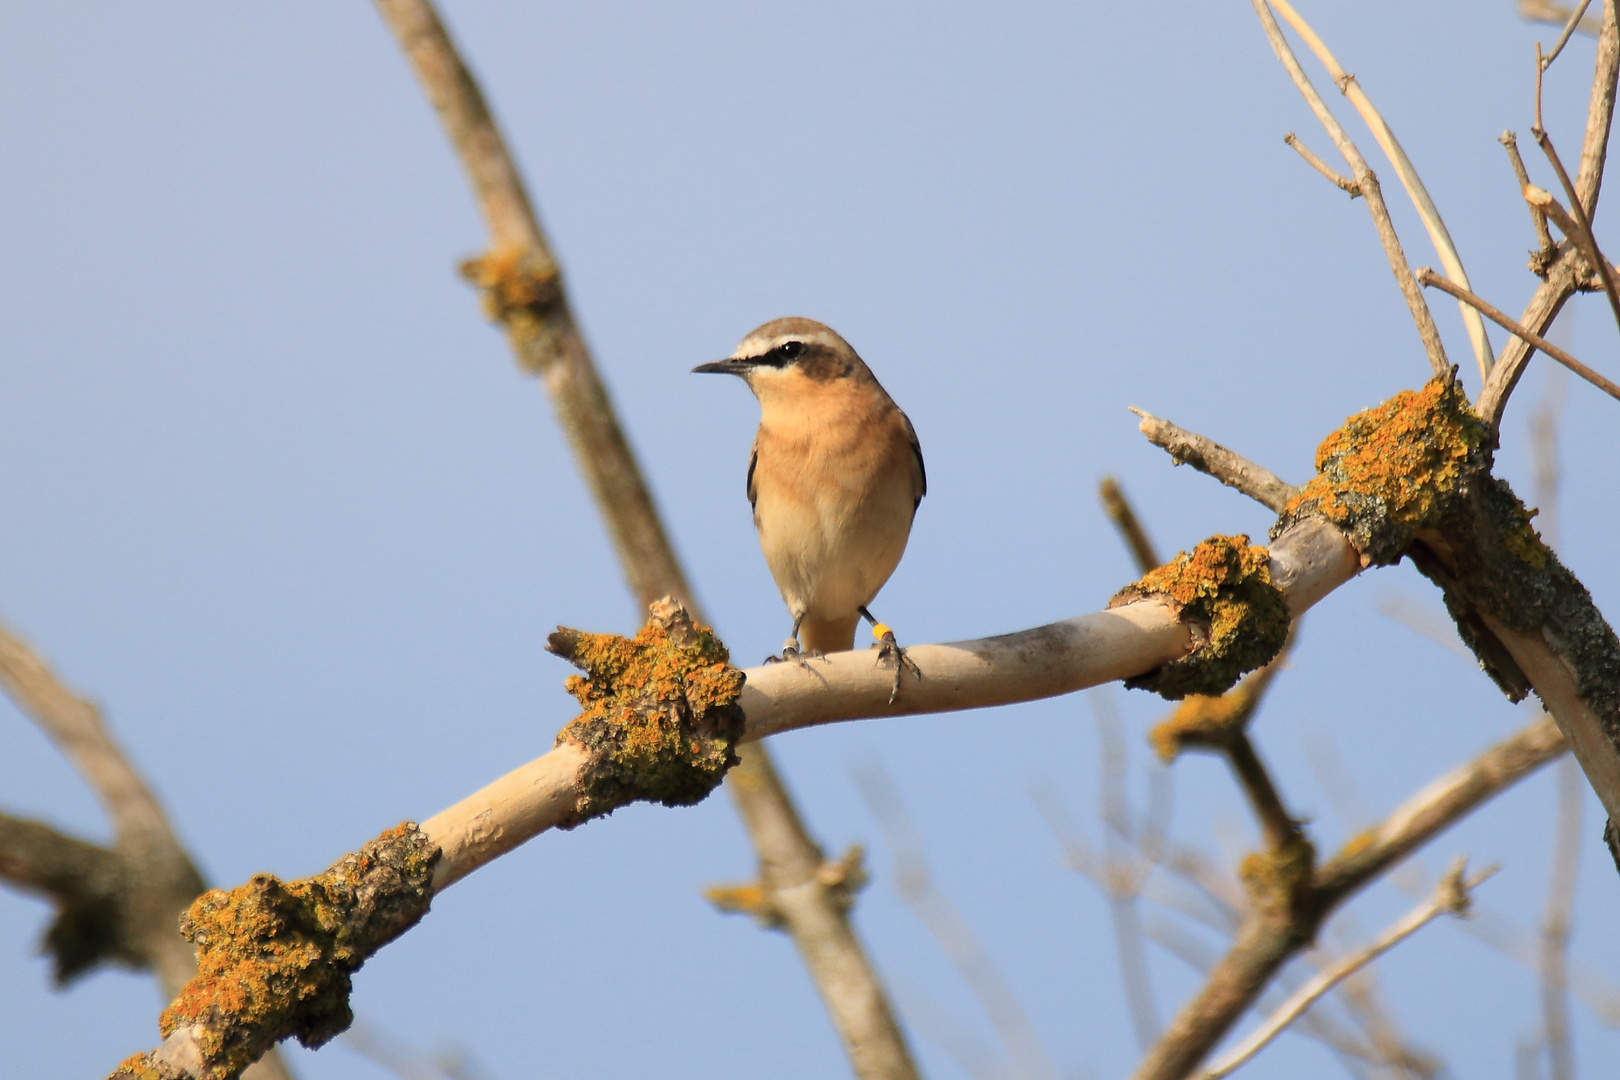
(889, 650)
(792, 654)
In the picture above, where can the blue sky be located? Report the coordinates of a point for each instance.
(274, 494)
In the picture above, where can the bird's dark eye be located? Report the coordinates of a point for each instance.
(792, 350)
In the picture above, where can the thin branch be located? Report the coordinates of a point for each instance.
(1562, 275)
(1125, 872)
(1371, 192)
(1451, 898)
(1583, 224)
(524, 290)
(1352, 1050)
(1349, 187)
(1496, 315)
(1510, 142)
(1210, 457)
(1267, 940)
(1119, 511)
(1439, 235)
(1569, 30)
(1566, 864)
(164, 880)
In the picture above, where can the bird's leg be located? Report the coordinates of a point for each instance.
(889, 650)
(790, 647)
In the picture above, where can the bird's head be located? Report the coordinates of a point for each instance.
(789, 358)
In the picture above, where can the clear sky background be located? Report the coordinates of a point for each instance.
(273, 493)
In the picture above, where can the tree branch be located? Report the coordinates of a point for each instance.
(1363, 176)
(524, 291)
(1439, 235)
(1563, 277)
(1269, 937)
(1210, 457)
(1496, 315)
(126, 910)
(1450, 898)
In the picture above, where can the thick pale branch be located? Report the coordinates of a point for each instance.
(1307, 562)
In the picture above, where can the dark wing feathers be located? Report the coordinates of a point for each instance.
(753, 492)
(922, 470)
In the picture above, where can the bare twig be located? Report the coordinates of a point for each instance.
(524, 291)
(1268, 938)
(1436, 226)
(1208, 456)
(1496, 315)
(1451, 898)
(1349, 187)
(1510, 142)
(1371, 192)
(1119, 511)
(1570, 27)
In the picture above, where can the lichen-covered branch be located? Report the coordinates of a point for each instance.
(118, 905)
(275, 958)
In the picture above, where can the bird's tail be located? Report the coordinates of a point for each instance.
(828, 635)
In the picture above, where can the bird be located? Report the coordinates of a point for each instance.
(835, 478)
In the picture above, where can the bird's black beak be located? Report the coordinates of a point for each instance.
(731, 365)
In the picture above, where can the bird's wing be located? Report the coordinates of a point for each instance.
(753, 460)
(922, 470)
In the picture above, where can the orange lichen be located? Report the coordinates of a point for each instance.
(143, 1067)
(1203, 721)
(1396, 468)
(1222, 588)
(660, 719)
(274, 958)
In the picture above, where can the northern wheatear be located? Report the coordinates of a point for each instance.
(835, 479)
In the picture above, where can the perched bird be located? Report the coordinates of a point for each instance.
(835, 479)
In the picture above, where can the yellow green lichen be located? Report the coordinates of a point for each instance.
(1223, 589)
(660, 720)
(1279, 879)
(274, 958)
(1395, 469)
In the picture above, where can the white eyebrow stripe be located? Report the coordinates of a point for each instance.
(758, 346)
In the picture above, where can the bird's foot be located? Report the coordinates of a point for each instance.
(889, 651)
(792, 654)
